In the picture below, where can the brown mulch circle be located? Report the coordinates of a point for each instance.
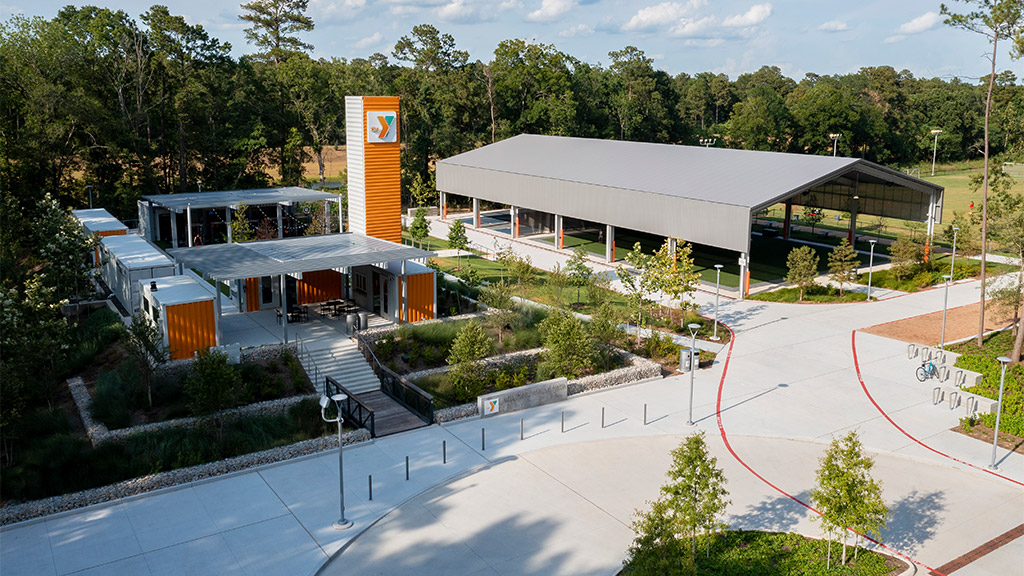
(961, 322)
(984, 433)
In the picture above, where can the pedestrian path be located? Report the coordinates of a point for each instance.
(791, 385)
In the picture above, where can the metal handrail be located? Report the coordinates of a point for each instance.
(399, 389)
(303, 352)
(360, 413)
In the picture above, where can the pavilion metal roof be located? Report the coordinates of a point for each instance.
(293, 255)
(704, 195)
(97, 220)
(135, 252)
(252, 197)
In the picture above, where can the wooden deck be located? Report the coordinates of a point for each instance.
(389, 417)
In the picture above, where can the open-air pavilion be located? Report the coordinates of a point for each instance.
(207, 215)
(346, 272)
(706, 196)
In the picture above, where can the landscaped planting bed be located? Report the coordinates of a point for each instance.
(748, 553)
(982, 359)
(816, 293)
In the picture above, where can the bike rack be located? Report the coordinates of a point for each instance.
(936, 395)
(926, 354)
(939, 356)
(954, 399)
(911, 351)
(943, 373)
(960, 378)
(971, 405)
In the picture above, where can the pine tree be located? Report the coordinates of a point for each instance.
(274, 24)
(802, 263)
(842, 264)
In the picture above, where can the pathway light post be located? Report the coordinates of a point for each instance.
(935, 148)
(999, 411)
(693, 366)
(89, 186)
(945, 304)
(341, 523)
(952, 261)
(708, 142)
(835, 143)
(718, 284)
(871, 265)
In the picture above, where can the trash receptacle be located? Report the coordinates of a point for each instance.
(352, 323)
(684, 360)
(364, 320)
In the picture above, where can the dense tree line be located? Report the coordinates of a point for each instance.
(155, 104)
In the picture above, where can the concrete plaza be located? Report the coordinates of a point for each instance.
(562, 503)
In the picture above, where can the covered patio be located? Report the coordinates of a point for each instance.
(329, 278)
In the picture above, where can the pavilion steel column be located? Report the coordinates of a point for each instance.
(442, 208)
(174, 228)
(327, 218)
(280, 225)
(609, 246)
(476, 212)
(227, 213)
(744, 280)
(672, 247)
(403, 293)
(513, 218)
(854, 207)
(217, 313)
(341, 217)
(558, 231)
(188, 220)
(787, 222)
(284, 307)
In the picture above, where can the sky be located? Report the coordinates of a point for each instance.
(721, 36)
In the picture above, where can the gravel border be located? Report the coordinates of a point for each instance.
(36, 508)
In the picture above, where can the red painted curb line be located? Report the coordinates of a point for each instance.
(856, 365)
(728, 446)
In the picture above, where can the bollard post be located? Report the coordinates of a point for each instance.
(645, 414)
(406, 467)
(369, 481)
(444, 451)
(521, 428)
(602, 417)
(563, 421)
(483, 441)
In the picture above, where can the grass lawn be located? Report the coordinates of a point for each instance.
(768, 255)
(735, 553)
(924, 277)
(431, 243)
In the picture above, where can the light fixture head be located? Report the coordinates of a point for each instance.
(872, 241)
(324, 401)
(948, 277)
(956, 228)
(339, 397)
(693, 326)
(936, 131)
(718, 266)
(1004, 360)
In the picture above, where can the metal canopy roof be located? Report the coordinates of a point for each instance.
(254, 197)
(704, 195)
(293, 255)
(172, 290)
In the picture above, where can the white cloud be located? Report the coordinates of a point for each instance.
(704, 43)
(688, 27)
(894, 38)
(457, 11)
(510, 5)
(577, 30)
(661, 15)
(758, 13)
(833, 26)
(404, 10)
(924, 22)
(550, 10)
(335, 10)
(368, 41)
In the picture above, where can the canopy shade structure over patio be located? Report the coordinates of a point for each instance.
(703, 195)
(289, 194)
(225, 262)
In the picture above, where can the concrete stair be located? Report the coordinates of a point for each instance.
(342, 361)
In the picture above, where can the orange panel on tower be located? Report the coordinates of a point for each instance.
(374, 166)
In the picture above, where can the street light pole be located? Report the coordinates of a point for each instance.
(952, 261)
(693, 366)
(935, 148)
(89, 186)
(871, 264)
(341, 523)
(945, 303)
(835, 143)
(1002, 380)
(718, 284)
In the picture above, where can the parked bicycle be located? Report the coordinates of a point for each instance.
(927, 370)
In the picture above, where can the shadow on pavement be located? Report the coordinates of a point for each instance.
(913, 520)
(779, 514)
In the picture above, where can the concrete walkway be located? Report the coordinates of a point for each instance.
(559, 503)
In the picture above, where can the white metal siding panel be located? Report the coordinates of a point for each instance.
(355, 147)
